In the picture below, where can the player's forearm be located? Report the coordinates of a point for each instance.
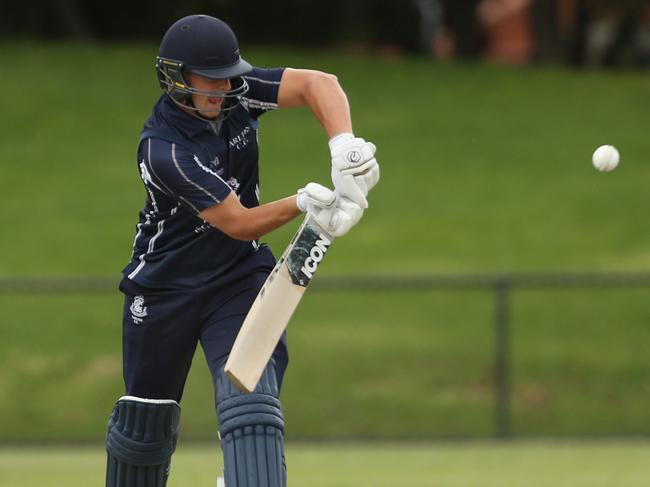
(259, 221)
(241, 223)
(329, 104)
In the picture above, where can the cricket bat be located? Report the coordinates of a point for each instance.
(275, 303)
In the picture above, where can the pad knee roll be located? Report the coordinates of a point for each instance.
(252, 433)
(142, 435)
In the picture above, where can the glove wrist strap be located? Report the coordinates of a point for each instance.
(301, 200)
(339, 139)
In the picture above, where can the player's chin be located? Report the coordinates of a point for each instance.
(209, 112)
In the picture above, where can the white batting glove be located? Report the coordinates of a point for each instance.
(334, 214)
(350, 207)
(355, 171)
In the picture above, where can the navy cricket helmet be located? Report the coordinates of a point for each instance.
(205, 46)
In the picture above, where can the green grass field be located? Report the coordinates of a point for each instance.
(484, 169)
(480, 464)
(577, 370)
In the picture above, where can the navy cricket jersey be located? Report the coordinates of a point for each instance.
(188, 164)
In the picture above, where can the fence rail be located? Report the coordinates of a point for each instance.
(390, 282)
(501, 284)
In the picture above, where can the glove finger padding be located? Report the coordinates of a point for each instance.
(368, 151)
(320, 195)
(366, 176)
(361, 169)
(355, 171)
(341, 223)
(325, 206)
(352, 209)
(334, 220)
(314, 194)
(350, 187)
(371, 176)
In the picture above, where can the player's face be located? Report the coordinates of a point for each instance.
(208, 106)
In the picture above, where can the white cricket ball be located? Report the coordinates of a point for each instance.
(605, 158)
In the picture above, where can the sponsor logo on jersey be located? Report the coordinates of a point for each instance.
(240, 140)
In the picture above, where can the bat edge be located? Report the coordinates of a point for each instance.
(237, 383)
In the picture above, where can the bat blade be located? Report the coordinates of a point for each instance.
(275, 304)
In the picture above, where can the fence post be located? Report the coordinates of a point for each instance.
(502, 357)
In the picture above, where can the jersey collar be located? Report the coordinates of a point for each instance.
(183, 121)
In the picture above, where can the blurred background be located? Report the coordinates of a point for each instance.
(496, 291)
(575, 32)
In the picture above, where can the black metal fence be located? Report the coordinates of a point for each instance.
(501, 285)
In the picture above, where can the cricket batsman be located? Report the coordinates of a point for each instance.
(197, 265)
